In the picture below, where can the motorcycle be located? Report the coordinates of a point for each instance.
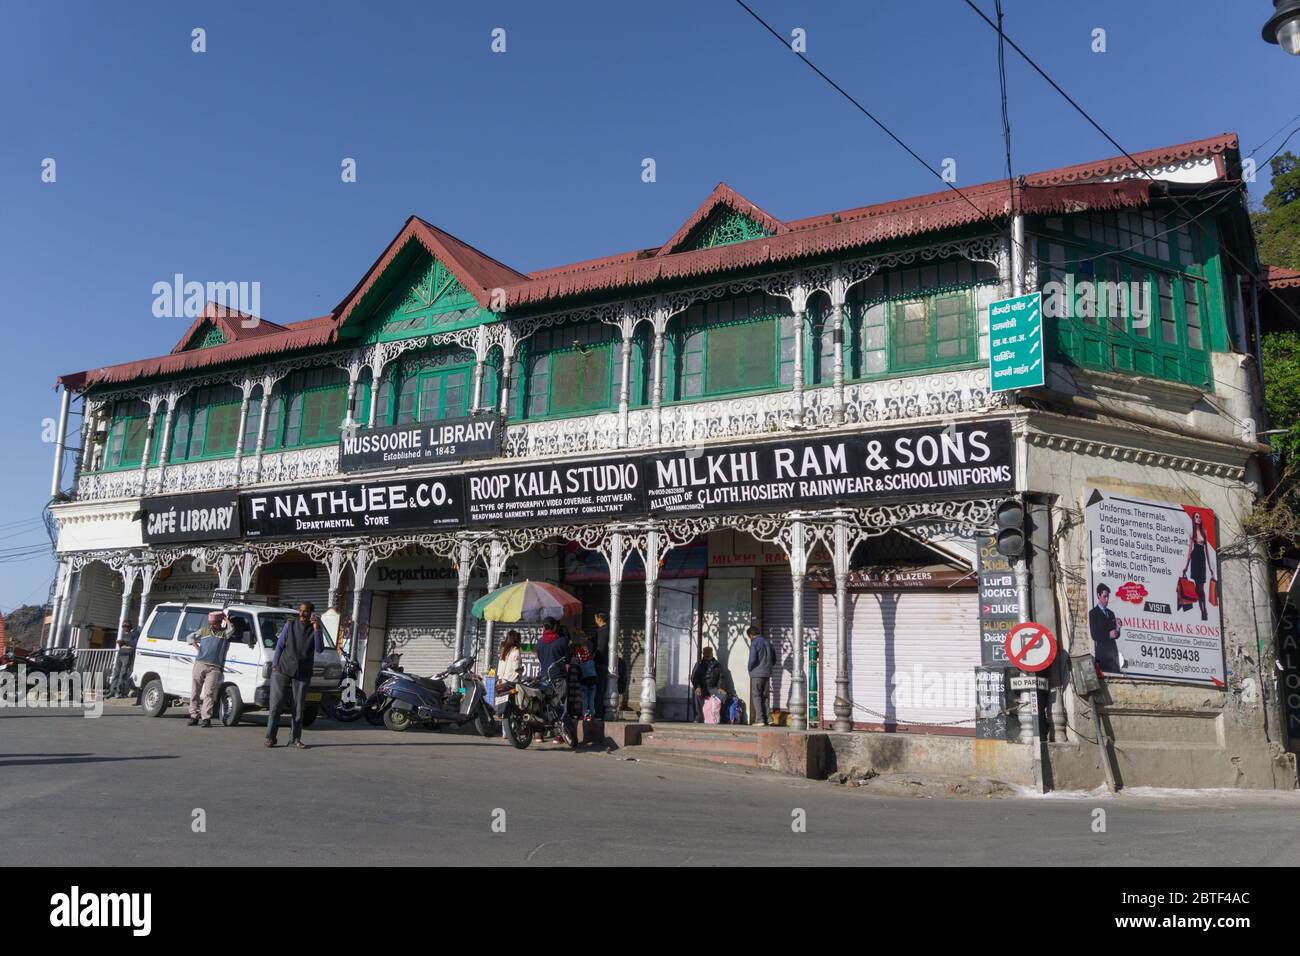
(352, 699)
(429, 702)
(44, 660)
(376, 703)
(541, 706)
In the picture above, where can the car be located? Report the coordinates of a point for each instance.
(164, 659)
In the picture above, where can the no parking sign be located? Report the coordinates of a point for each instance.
(1031, 647)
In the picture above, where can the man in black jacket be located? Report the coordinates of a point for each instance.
(295, 653)
(602, 663)
(1105, 633)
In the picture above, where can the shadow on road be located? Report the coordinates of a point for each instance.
(76, 758)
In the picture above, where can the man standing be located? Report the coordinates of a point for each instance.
(601, 643)
(119, 683)
(706, 677)
(1104, 629)
(209, 664)
(761, 661)
(295, 652)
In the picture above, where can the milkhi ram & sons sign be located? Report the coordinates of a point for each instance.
(954, 461)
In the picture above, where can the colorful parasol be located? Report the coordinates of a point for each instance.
(528, 602)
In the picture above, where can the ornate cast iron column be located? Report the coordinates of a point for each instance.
(843, 689)
(798, 680)
(799, 304)
(649, 683)
(615, 558)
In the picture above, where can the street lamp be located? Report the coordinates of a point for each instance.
(1283, 28)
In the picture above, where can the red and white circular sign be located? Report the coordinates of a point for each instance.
(1031, 647)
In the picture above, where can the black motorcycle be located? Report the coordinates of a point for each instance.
(351, 701)
(540, 705)
(409, 701)
(44, 660)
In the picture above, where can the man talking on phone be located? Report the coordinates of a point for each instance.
(295, 652)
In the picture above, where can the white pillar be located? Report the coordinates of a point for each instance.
(128, 584)
(56, 606)
(334, 568)
(649, 682)
(480, 355)
(464, 567)
(657, 395)
(148, 443)
(165, 449)
(615, 557)
(377, 373)
(146, 585)
(360, 568)
(798, 680)
(839, 292)
(57, 477)
(799, 302)
(246, 387)
(507, 360)
(69, 608)
(625, 387)
(89, 415)
(261, 428)
(496, 565)
(247, 565)
(843, 687)
(1018, 254)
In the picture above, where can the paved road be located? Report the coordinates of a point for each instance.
(122, 789)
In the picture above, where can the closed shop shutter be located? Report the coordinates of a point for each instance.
(421, 627)
(294, 591)
(778, 628)
(922, 646)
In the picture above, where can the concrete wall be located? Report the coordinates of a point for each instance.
(932, 754)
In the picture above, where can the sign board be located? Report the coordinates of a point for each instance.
(994, 718)
(1016, 343)
(1021, 682)
(1153, 587)
(375, 507)
(899, 464)
(549, 494)
(421, 443)
(177, 518)
(999, 601)
(1031, 647)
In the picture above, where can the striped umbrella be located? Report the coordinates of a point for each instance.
(528, 602)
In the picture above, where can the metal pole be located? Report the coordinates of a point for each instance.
(57, 477)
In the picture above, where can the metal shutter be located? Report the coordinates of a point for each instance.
(925, 645)
(184, 583)
(293, 591)
(778, 628)
(421, 626)
(631, 619)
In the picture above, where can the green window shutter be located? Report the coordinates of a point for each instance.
(741, 356)
(180, 431)
(275, 422)
(198, 431)
(313, 408)
(406, 390)
(333, 404)
(293, 420)
(692, 360)
(785, 349)
(250, 426)
(579, 381)
(456, 394)
(430, 395)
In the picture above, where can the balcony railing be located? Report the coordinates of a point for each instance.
(880, 402)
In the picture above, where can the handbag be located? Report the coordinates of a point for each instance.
(1186, 593)
(1214, 593)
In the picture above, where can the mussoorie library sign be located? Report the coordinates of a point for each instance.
(956, 460)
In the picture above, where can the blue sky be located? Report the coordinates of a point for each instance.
(225, 165)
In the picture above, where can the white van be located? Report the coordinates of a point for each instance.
(164, 659)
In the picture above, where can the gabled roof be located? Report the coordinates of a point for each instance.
(236, 326)
(478, 272)
(1275, 277)
(724, 197)
(1104, 184)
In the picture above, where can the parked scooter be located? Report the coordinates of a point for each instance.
(378, 702)
(352, 699)
(429, 702)
(541, 706)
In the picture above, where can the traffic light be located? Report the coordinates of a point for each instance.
(1010, 540)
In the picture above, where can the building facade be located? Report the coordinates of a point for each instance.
(783, 423)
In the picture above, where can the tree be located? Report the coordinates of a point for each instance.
(1277, 225)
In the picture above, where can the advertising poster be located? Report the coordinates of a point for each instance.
(1153, 589)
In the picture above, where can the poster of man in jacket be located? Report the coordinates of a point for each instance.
(1153, 587)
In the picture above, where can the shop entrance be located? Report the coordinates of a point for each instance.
(728, 613)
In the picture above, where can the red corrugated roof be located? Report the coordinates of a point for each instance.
(235, 325)
(1067, 189)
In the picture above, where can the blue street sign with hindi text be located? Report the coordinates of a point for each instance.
(1016, 343)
